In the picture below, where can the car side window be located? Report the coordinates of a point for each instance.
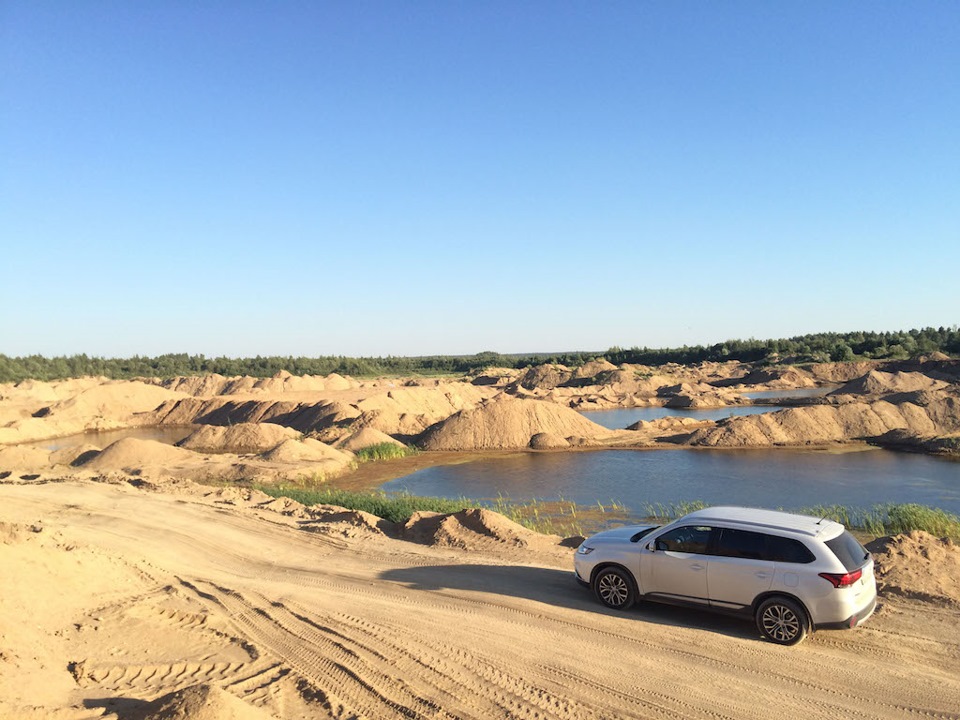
(741, 544)
(687, 539)
(788, 550)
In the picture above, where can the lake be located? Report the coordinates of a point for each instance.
(623, 417)
(785, 478)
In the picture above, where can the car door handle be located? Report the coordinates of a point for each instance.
(696, 566)
(763, 575)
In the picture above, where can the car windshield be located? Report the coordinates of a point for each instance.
(646, 531)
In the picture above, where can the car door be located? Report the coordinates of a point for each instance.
(739, 568)
(675, 565)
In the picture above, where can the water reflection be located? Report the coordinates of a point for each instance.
(765, 478)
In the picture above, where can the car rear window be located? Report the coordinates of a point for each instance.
(849, 552)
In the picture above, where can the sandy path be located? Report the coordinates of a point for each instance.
(307, 625)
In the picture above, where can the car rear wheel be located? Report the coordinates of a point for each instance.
(614, 588)
(782, 621)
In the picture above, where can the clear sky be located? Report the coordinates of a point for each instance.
(449, 177)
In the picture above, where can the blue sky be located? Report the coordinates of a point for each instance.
(412, 178)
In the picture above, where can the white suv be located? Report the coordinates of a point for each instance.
(790, 573)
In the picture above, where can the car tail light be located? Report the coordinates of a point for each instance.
(840, 580)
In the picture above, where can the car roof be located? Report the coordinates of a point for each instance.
(760, 519)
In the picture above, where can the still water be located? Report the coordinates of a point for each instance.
(765, 478)
(624, 417)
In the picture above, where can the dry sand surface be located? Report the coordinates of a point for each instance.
(190, 602)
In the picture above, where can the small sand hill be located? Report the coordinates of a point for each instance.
(202, 702)
(684, 388)
(365, 438)
(918, 565)
(780, 377)
(507, 422)
(134, 454)
(544, 377)
(548, 441)
(333, 381)
(817, 425)
(592, 369)
(240, 439)
(473, 529)
(334, 520)
(877, 382)
(23, 458)
(841, 372)
(308, 450)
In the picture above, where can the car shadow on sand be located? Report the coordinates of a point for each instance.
(560, 588)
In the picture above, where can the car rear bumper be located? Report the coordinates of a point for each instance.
(851, 622)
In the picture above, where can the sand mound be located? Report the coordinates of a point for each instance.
(544, 377)
(23, 458)
(920, 566)
(507, 422)
(14, 533)
(877, 382)
(334, 520)
(472, 529)
(308, 450)
(242, 438)
(548, 441)
(592, 369)
(202, 702)
(365, 438)
(780, 377)
(74, 455)
(133, 453)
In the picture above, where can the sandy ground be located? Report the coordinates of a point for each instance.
(115, 596)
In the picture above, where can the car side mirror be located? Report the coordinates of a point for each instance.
(651, 547)
(660, 545)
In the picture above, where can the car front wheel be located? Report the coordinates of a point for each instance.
(782, 621)
(614, 588)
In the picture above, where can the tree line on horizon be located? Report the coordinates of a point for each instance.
(818, 347)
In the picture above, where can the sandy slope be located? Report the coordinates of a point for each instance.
(125, 595)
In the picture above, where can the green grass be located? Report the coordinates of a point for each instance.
(396, 508)
(565, 518)
(384, 451)
(560, 517)
(892, 519)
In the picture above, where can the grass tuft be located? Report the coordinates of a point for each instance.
(384, 451)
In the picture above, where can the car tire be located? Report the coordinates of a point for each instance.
(614, 588)
(782, 621)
